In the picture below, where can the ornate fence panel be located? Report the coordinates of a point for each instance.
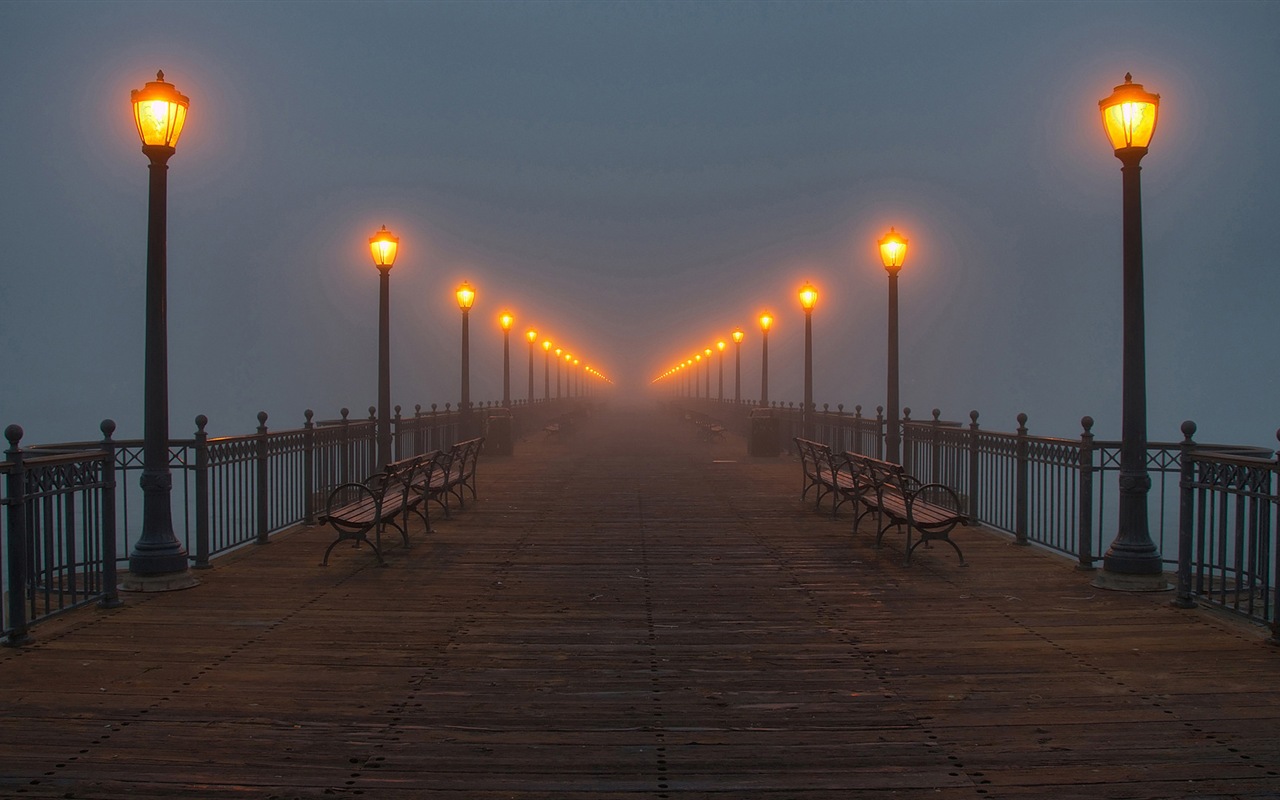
(57, 534)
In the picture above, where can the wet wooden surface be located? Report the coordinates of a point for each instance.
(632, 612)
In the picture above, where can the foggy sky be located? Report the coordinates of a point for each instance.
(633, 180)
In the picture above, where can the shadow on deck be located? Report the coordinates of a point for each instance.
(633, 612)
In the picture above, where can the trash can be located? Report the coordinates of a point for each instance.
(498, 438)
(764, 433)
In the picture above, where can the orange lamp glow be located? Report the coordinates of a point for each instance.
(766, 321)
(738, 335)
(532, 336)
(568, 357)
(466, 296)
(384, 246)
(505, 319)
(707, 352)
(559, 350)
(1129, 116)
(546, 345)
(808, 297)
(160, 112)
(893, 250)
(720, 345)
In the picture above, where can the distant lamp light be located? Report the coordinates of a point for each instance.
(1129, 116)
(160, 112)
(532, 336)
(766, 321)
(893, 250)
(720, 345)
(466, 296)
(808, 297)
(383, 246)
(546, 345)
(738, 335)
(505, 320)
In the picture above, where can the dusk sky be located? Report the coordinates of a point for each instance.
(633, 180)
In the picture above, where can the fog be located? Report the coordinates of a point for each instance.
(634, 180)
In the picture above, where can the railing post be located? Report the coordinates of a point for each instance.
(1186, 520)
(396, 435)
(309, 468)
(841, 428)
(202, 493)
(263, 477)
(418, 446)
(858, 422)
(1085, 511)
(935, 449)
(344, 466)
(373, 442)
(975, 466)
(1023, 468)
(110, 593)
(904, 436)
(880, 432)
(16, 498)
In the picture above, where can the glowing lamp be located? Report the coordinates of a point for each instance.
(546, 345)
(505, 320)
(893, 250)
(383, 246)
(720, 345)
(466, 296)
(808, 297)
(532, 336)
(159, 111)
(766, 321)
(738, 335)
(1129, 117)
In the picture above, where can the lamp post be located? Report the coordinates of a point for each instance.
(466, 298)
(504, 321)
(158, 561)
(720, 345)
(766, 321)
(706, 354)
(738, 336)
(559, 352)
(1133, 561)
(532, 336)
(546, 371)
(697, 384)
(893, 251)
(383, 246)
(577, 378)
(568, 376)
(808, 299)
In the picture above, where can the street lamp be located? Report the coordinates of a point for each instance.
(546, 370)
(568, 376)
(558, 352)
(738, 336)
(577, 379)
(720, 345)
(707, 355)
(697, 384)
(383, 247)
(158, 561)
(1133, 561)
(532, 336)
(893, 251)
(466, 298)
(808, 299)
(766, 322)
(504, 321)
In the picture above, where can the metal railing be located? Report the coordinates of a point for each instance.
(1058, 493)
(71, 510)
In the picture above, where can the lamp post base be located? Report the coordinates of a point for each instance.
(164, 582)
(1128, 582)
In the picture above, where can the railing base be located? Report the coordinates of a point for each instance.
(1123, 582)
(167, 582)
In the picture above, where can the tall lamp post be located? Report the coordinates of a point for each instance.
(504, 321)
(766, 322)
(808, 299)
(158, 561)
(383, 246)
(893, 251)
(706, 355)
(720, 345)
(546, 370)
(532, 336)
(466, 298)
(1133, 561)
(738, 336)
(697, 384)
(559, 352)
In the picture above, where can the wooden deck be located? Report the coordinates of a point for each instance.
(631, 612)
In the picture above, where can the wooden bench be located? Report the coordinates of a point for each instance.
(931, 510)
(833, 474)
(355, 509)
(711, 430)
